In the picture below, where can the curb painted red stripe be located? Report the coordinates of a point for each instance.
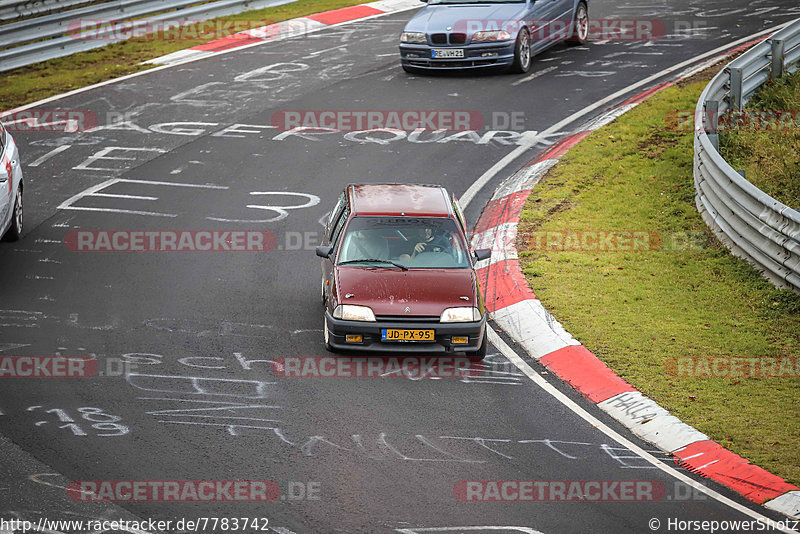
(225, 43)
(638, 99)
(344, 14)
(712, 460)
(502, 210)
(560, 148)
(585, 372)
(327, 17)
(503, 284)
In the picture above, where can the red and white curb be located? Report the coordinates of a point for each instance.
(517, 311)
(286, 29)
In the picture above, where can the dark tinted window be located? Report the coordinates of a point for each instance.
(337, 229)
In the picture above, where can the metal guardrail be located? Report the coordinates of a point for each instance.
(751, 223)
(14, 9)
(46, 36)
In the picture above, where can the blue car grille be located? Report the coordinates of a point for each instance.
(445, 38)
(458, 38)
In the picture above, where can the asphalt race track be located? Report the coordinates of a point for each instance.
(201, 402)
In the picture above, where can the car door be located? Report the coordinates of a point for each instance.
(336, 226)
(6, 179)
(549, 22)
(563, 11)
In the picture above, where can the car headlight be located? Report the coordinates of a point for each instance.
(494, 35)
(412, 37)
(349, 312)
(460, 315)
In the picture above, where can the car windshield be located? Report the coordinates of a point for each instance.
(405, 242)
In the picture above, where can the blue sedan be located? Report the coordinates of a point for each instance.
(474, 34)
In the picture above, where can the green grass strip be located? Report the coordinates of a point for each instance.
(682, 295)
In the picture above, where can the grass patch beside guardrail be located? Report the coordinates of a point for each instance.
(47, 78)
(678, 293)
(769, 152)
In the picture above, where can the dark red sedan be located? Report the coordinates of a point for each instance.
(398, 273)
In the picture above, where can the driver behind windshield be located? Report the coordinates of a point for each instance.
(428, 240)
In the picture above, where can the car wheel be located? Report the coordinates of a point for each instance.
(327, 334)
(580, 26)
(522, 52)
(481, 352)
(14, 232)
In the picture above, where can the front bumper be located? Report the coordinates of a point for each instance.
(371, 333)
(475, 56)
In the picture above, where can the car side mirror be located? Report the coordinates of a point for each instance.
(483, 254)
(324, 252)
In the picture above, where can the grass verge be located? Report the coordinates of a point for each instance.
(770, 153)
(47, 78)
(639, 309)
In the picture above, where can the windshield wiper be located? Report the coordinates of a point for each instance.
(370, 260)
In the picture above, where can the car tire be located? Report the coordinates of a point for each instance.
(579, 33)
(14, 232)
(481, 352)
(326, 335)
(522, 52)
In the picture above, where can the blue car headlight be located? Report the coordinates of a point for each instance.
(494, 35)
(412, 37)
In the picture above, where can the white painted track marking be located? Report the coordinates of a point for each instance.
(174, 184)
(49, 155)
(94, 191)
(116, 210)
(131, 197)
(535, 75)
(514, 358)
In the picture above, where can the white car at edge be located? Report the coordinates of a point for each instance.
(10, 188)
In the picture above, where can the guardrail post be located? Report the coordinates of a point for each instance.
(711, 121)
(735, 80)
(778, 49)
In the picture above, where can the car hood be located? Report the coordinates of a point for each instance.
(437, 18)
(391, 291)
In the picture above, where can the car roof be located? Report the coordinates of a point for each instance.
(411, 200)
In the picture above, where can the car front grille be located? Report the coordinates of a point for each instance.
(453, 64)
(408, 318)
(451, 38)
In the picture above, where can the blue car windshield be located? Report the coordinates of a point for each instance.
(404, 242)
